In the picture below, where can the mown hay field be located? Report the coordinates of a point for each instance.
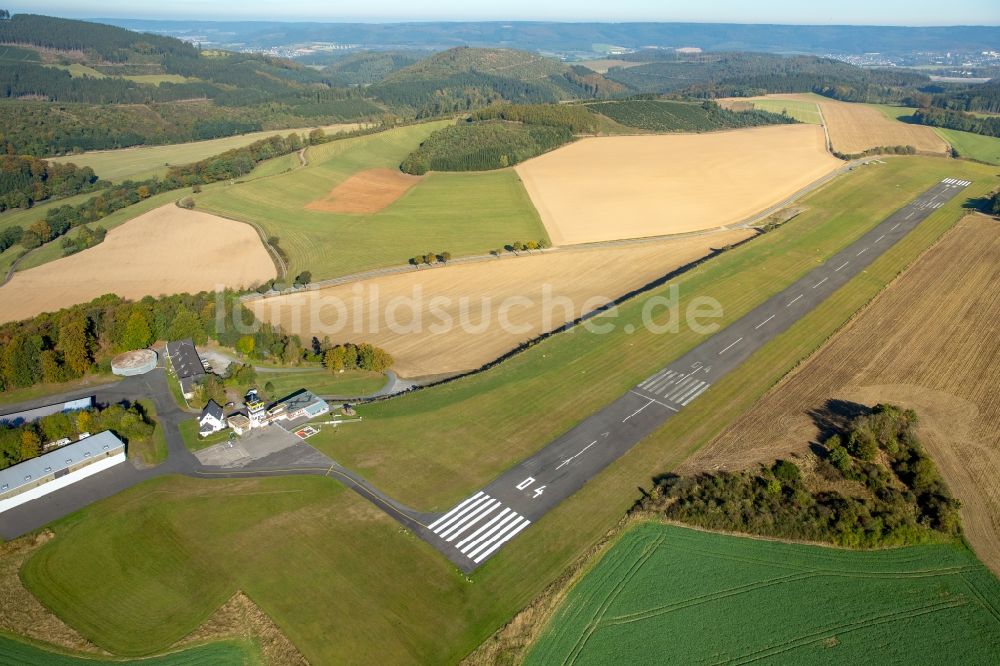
(147, 161)
(802, 110)
(448, 318)
(671, 594)
(168, 250)
(460, 213)
(607, 188)
(930, 342)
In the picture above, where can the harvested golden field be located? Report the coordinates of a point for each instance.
(366, 192)
(606, 188)
(931, 342)
(492, 306)
(855, 128)
(168, 250)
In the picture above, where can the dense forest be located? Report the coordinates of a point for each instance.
(573, 116)
(675, 116)
(875, 486)
(482, 145)
(958, 120)
(27, 180)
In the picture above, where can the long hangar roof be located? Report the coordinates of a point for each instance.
(55, 461)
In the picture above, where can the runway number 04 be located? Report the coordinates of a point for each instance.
(527, 482)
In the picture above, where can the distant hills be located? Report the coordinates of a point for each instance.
(551, 36)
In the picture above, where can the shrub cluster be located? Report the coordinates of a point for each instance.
(906, 500)
(349, 356)
(878, 150)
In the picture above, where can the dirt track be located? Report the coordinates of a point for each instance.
(929, 342)
(577, 274)
(168, 250)
(608, 188)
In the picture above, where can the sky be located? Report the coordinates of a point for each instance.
(856, 12)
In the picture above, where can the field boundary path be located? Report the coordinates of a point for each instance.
(476, 528)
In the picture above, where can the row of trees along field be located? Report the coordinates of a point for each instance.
(25, 441)
(25, 180)
(901, 501)
(573, 116)
(481, 145)
(958, 120)
(676, 116)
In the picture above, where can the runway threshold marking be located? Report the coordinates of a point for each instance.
(661, 404)
(791, 302)
(763, 322)
(730, 346)
(837, 269)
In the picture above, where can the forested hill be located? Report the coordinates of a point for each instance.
(463, 78)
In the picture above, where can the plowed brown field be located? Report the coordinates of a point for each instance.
(402, 313)
(931, 342)
(366, 192)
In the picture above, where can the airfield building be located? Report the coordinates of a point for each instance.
(59, 468)
(212, 419)
(187, 365)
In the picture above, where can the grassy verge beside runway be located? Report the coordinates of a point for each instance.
(432, 448)
(787, 603)
(229, 653)
(170, 551)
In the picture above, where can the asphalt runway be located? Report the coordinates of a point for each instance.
(479, 526)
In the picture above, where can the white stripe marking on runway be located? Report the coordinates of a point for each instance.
(909, 216)
(677, 389)
(699, 392)
(894, 227)
(472, 537)
(623, 421)
(655, 387)
(457, 507)
(880, 238)
(837, 269)
(470, 520)
(460, 514)
(732, 344)
(862, 252)
(497, 534)
(661, 404)
(763, 322)
(501, 542)
(489, 536)
(793, 301)
(687, 394)
(820, 282)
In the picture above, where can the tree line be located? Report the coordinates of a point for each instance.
(904, 501)
(25, 180)
(26, 441)
(958, 120)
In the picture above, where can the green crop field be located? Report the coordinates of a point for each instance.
(417, 447)
(461, 213)
(670, 594)
(804, 112)
(147, 161)
(229, 653)
(307, 551)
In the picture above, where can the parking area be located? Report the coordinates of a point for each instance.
(254, 445)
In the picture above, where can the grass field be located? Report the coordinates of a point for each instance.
(607, 188)
(802, 110)
(154, 451)
(147, 161)
(915, 349)
(233, 653)
(172, 560)
(462, 213)
(167, 250)
(475, 293)
(670, 594)
(968, 144)
(189, 433)
(321, 381)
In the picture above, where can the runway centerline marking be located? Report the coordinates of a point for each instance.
(731, 345)
(628, 417)
(862, 252)
(656, 401)
(580, 452)
(820, 282)
(880, 238)
(763, 322)
(837, 269)
(793, 301)
(894, 227)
